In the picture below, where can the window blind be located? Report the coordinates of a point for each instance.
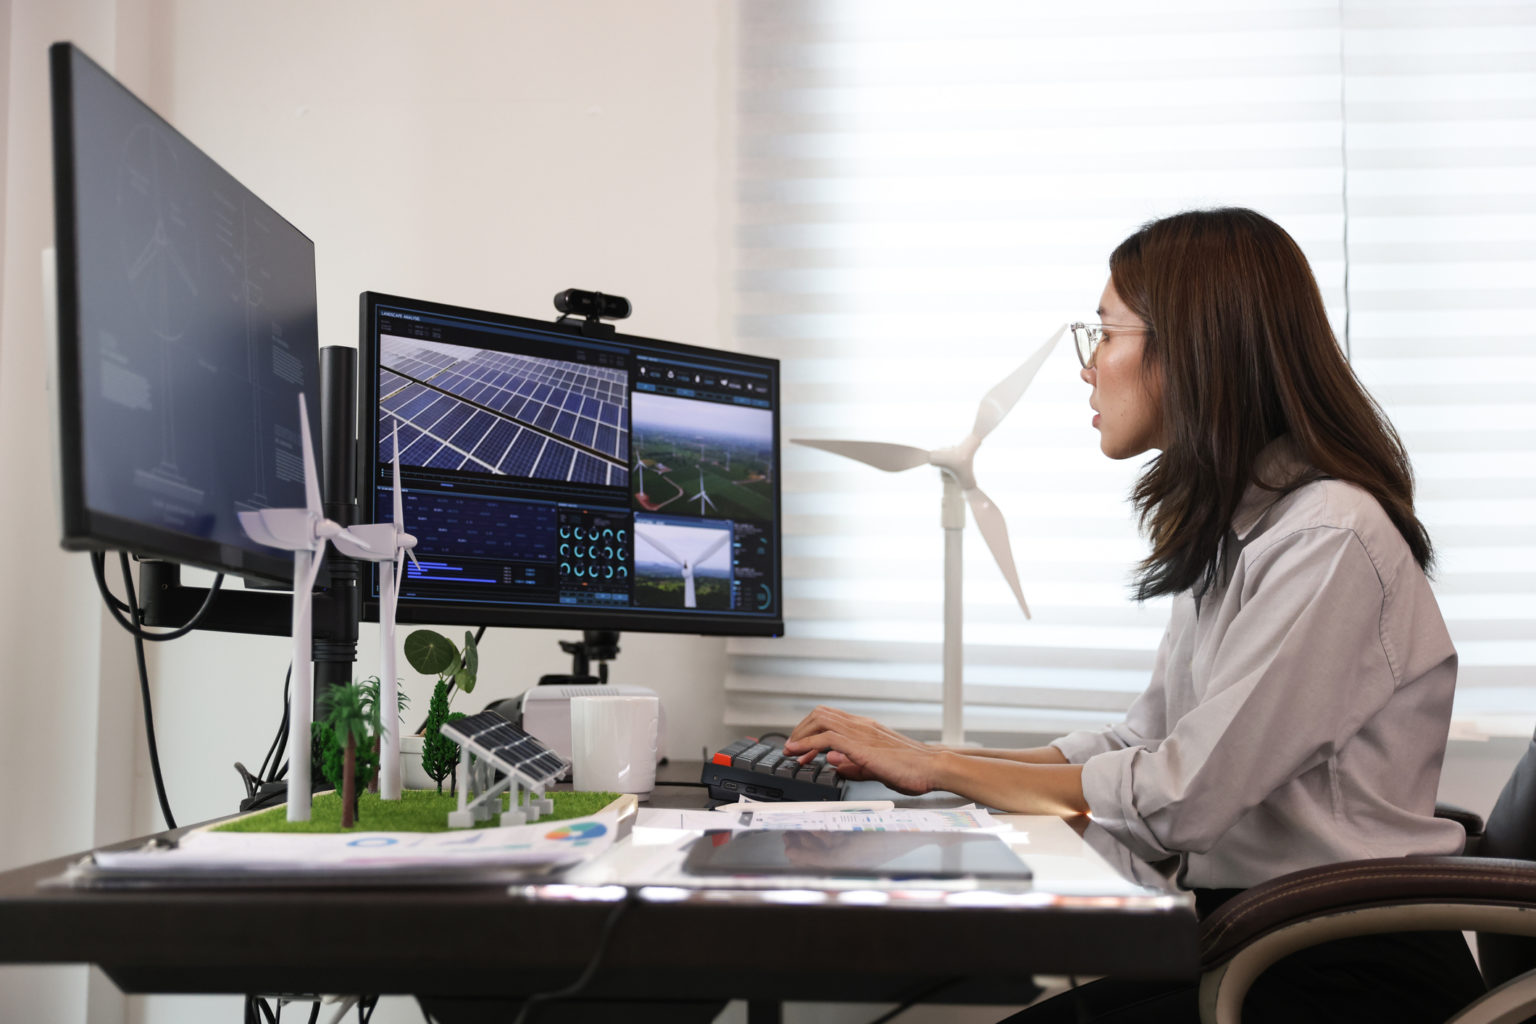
(1440, 101)
(925, 192)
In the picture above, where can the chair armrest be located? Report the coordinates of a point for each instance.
(1258, 927)
(1470, 821)
(1360, 884)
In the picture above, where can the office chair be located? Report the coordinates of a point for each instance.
(1489, 889)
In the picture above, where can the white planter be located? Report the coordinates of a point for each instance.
(411, 774)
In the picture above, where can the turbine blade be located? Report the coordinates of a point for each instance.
(893, 458)
(714, 546)
(394, 588)
(399, 502)
(994, 530)
(659, 546)
(316, 557)
(1001, 399)
(342, 533)
(311, 478)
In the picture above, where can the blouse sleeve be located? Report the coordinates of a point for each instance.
(1145, 721)
(1299, 668)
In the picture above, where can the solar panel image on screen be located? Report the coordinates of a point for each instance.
(476, 410)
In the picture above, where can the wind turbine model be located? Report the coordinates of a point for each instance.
(687, 566)
(303, 531)
(387, 544)
(703, 497)
(959, 479)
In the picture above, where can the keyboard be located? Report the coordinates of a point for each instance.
(760, 771)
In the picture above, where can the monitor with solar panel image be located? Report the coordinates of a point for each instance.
(536, 456)
(701, 458)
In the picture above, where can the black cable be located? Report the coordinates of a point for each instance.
(314, 1012)
(132, 625)
(908, 1003)
(149, 713)
(280, 741)
(587, 973)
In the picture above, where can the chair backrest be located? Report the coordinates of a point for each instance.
(1510, 831)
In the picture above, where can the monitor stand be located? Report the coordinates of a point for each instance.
(600, 645)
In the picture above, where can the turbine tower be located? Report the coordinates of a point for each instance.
(703, 495)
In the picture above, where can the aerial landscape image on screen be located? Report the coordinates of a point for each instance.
(698, 458)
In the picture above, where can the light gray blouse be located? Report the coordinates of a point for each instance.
(1298, 710)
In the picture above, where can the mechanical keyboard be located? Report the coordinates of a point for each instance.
(761, 771)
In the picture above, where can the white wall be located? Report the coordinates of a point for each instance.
(482, 153)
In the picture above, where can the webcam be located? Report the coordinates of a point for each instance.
(593, 305)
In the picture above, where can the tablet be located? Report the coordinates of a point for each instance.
(894, 855)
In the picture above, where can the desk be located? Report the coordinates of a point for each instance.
(461, 947)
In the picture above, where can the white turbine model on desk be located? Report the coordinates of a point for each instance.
(303, 531)
(387, 544)
(959, 479)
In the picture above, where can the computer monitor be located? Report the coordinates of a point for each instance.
(186, 335)
(560, 476)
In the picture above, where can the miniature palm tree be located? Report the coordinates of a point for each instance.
(347, 718)
(370, 697)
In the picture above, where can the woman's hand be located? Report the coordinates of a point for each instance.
(861, 748)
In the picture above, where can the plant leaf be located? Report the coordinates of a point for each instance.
(471, 656)
(429, 652)
(464, 679)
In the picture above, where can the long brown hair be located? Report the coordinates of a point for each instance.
(1238, 335)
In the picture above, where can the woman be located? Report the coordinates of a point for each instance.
(1299, 702)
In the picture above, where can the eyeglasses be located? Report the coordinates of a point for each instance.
(1088, 336)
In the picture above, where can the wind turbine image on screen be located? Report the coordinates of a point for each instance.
(701, 471)
(959, 479)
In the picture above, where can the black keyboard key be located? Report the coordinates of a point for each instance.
(748, 757)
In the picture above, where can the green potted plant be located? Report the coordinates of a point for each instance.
(429, 757)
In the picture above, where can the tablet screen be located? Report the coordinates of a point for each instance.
(855, 854)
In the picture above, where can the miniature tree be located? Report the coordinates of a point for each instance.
(345, 715)
(369, 776)
(439, 754)
(431, 653)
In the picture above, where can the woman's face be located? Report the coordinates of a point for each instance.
(1128, 403)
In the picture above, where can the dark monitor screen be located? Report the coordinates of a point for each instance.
(563, 480)
(187, 332)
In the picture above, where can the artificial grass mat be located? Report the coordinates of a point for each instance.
(417, 810)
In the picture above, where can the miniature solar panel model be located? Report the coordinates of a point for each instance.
(488, 744)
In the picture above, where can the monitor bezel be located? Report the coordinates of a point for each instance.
(85, 528)
(565, 617)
